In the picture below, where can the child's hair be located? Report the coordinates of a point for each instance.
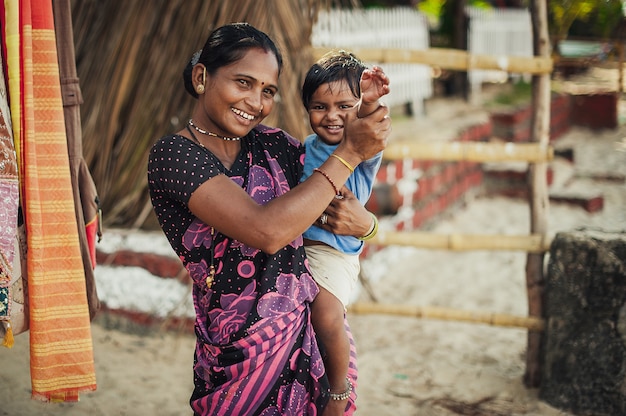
(334, 66)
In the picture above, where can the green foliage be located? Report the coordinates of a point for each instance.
(481, 4)
(608, 15)
(583, 18)
(447, 11)
(564, 12)
(431, 8)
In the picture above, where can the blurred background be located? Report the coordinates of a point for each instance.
(130, 56)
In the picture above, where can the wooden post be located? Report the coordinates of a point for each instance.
(620, 53)
(538, 194)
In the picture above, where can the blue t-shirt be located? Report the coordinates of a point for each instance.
(360, 183)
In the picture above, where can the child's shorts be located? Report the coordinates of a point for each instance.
(333, 270)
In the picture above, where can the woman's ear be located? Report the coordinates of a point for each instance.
(198, 77)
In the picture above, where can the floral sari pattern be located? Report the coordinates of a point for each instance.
(256, 351)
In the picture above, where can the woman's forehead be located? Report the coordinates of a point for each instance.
(258, 64)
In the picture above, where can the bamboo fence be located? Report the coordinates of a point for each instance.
(452, 59)
(533, 243)
(537, 154)
(465, 151)
(448, 314)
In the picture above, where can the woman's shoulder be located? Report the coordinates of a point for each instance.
(276, 134)
(169, 142)
(169, 138)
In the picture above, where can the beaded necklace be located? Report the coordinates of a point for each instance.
(209, 133)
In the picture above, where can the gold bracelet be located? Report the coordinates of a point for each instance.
(324, 174)
(373, 230)
(344, 161)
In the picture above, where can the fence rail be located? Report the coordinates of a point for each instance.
(447, 314)
(533, 243)
(471, 152)
(453, 59)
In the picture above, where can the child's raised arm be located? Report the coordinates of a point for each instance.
(374, 84)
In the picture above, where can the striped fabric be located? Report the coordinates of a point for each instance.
(60, 334)
(9, 202)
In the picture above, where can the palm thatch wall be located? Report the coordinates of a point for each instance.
(130, 55)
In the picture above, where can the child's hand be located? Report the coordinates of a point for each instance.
(374, 84)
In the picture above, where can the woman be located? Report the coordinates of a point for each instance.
(224, 191)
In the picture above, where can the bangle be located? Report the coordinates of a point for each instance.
(343, 161)
(324, 174)
(373, 230)
(344, 394)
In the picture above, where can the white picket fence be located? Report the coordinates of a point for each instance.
(499, 32)
(399, 27)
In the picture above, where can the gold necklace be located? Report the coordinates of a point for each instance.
(208, 133)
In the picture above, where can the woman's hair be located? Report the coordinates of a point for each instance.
(334, 66)
(228, 44)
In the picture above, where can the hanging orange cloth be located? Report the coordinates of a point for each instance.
(61, 347)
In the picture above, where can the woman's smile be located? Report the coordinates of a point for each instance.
(243, 114)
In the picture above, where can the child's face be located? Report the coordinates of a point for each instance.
(329, 106)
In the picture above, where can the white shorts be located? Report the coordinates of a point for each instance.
(333, 270)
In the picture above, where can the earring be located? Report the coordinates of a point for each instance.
(200, 88)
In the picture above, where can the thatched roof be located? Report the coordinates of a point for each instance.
(130, 56)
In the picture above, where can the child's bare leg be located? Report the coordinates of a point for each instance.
(327, 315)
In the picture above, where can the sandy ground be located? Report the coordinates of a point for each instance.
(408, 366)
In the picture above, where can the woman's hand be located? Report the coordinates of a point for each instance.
(347, 216)
(365, 137)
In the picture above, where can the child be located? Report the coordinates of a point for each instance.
(332, 88)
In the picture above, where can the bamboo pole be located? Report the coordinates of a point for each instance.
(474, 152)
(452, 59)
(463, 242)
(620, 78)
(539, 200)
(447, 314)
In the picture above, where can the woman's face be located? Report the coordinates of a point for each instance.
(328, 108)
(240, 95)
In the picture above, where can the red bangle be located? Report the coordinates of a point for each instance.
(324, 174)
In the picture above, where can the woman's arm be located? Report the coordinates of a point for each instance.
(219, 202)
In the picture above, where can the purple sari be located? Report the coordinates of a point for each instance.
(256, 351)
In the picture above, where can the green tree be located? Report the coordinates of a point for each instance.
(442, 12)
(606, 17)
(563, 13)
